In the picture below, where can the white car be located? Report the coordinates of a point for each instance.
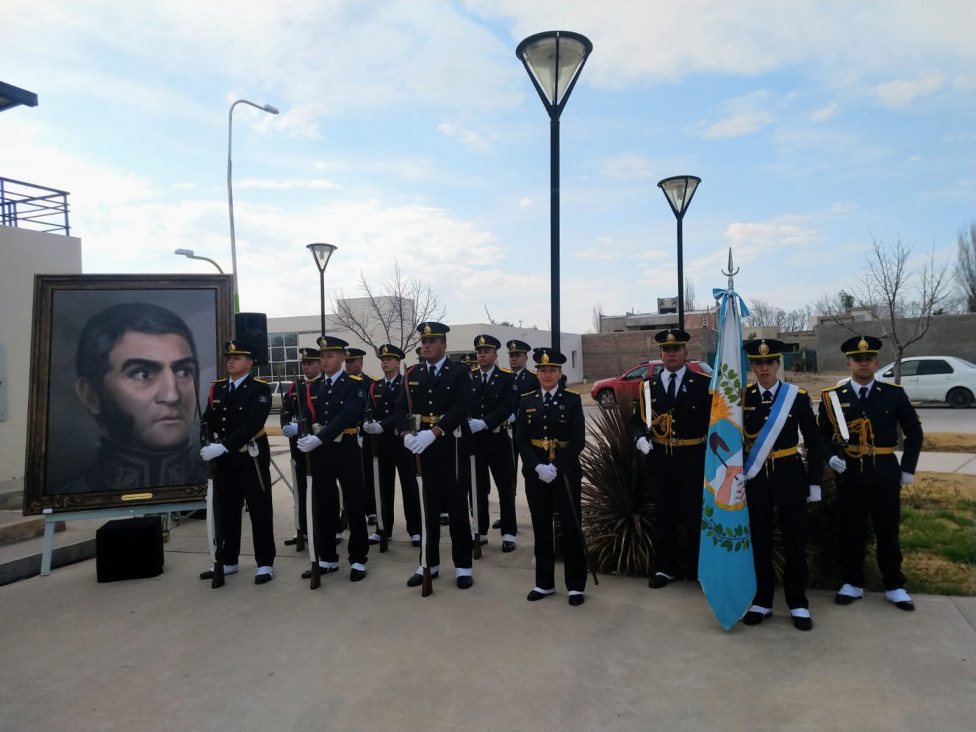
(934, 379)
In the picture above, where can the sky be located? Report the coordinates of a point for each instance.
(410, 132)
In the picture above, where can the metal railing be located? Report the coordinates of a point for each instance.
(29, 206)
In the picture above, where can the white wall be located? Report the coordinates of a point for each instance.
(24, 253)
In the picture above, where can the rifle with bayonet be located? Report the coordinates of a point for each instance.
(377, 498)
(311, 505)
(215, 534)
(427, 585)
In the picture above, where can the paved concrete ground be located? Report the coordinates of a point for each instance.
(169, 653)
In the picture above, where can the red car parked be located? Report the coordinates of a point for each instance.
(605, 391)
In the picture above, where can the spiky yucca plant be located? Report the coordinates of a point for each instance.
(616, 507)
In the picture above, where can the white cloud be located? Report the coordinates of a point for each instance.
(526, 203)
(627, 167)
(902, 92)
(597, 253)
(740, 124)
(269, 184)
(467, 137)
(824, 113)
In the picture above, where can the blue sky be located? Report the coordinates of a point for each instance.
(410, 130)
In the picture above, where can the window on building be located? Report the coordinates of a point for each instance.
(283, 363)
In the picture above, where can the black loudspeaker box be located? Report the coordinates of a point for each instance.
(252, 328)
(129, 549)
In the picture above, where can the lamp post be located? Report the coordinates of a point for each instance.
(321, 252)
(230, 191)
(679, 190)
(553, 61)
(188, 253)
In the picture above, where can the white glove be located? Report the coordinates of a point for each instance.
(477, 425)
(373, 428)
(409, 440)
(214, 450)
(907, 478)
(308, 443)
(837, 464)
(644, 445)
(423, 440)
(815, 494)
(551, 473)
(542, 470)
(290, 429)
(511, 418)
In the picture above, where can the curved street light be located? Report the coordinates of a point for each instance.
(321, 251)
(230, 191)
(554, 60)
(679, 190)
(188, 253)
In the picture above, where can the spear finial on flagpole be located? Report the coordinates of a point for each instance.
(732, 272)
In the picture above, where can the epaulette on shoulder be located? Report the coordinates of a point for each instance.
(355, 378)
(802, 391)
(832, 388)
(504, 370)
(533, 372)
(887, 383)
(530, 393)
(219, 381)
(260, 381)
(571, 391)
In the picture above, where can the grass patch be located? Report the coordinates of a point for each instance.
(942, 532)
(949, 442)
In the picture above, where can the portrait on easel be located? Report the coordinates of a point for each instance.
(119, 365)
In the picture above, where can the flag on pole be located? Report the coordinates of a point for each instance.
(725, 567)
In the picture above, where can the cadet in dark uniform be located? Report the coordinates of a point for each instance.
(439, 392)
(674, 443)
(525, 381)
(354, 367)
(493, 401)
(291, 412)
(774, 417)
(551, 436)
(236, 412)
(336, 402)
(869, 476)
(394, 458)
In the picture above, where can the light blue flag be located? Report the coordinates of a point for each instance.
(725, 566)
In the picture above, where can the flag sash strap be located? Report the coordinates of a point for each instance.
(839, 417)
(770, 431)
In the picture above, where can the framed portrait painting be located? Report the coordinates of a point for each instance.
(120, 368)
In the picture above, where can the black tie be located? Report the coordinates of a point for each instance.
(548, 400)
(328, 382)
(671, 387)
(767, 397)
(863, 394)
(230, 389)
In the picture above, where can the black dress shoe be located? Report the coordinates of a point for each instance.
(536, 595)
(357, 575)
(844, 599)
(373, 542)
(292, 541)
(415, 542)
(508, 546)
(754, 617)
(206, 574)
(497, 524)
(576, 600)
(445, 519)
(464, 582)
(263, 579)
(802, 623)
(418, 579)
(659, 580)
(307, 574)
(906, 605)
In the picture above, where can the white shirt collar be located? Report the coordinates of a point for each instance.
(678, 378)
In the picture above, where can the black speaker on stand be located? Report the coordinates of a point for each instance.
(252, 328)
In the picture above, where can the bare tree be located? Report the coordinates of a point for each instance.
(904, 301)
(966, 267)
(796, 320)
(390, 312)
(762, 314)
(689, 296)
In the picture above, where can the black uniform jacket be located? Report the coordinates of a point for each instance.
(494, 399)
(787, 472)
(236, 418)
(688, 415)
(563, 421)
(446, 397)
(888, 408)
(340, 410)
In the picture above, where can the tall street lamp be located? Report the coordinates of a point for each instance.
(679, 190)
(553, 61)
(321, 252)
(230, 191)
(188, 253)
